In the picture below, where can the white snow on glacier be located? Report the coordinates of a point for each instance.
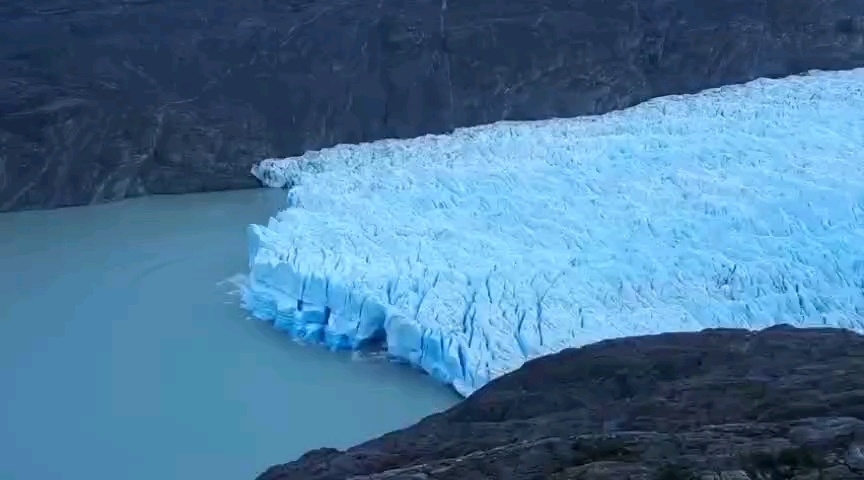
(472, 252)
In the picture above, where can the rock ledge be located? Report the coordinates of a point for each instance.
(722, 404)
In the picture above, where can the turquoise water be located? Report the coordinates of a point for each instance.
(123, 353)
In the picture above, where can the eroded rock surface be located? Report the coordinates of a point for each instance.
(106, 99)
(783, 403)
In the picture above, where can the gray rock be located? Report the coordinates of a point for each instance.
(685, 406)
(106, 99)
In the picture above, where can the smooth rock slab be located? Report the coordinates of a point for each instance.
(101, 100)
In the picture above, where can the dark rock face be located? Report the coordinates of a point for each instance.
(779, 404)
(106, 99)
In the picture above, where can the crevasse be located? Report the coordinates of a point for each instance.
(469, 253)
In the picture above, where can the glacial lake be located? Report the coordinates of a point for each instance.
(124, 353)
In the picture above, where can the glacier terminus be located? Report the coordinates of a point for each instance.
(467, 254)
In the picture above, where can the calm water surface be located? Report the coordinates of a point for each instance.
(122, 354)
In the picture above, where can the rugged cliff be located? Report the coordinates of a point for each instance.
(106, 99)
(782, 403)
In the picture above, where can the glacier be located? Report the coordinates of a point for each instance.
(467, 254)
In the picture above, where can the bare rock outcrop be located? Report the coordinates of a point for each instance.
(779, 404)
(106, 99)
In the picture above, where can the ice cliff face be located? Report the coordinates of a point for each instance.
(469, 254)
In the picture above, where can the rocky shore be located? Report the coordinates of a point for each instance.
(722, 404)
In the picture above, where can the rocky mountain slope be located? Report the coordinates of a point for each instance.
(106, 99)
(783, 403)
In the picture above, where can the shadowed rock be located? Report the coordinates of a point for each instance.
(106, 99)
(783, 403)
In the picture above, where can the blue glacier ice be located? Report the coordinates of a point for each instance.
(470, 253)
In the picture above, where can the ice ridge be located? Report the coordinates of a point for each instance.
(468, 254)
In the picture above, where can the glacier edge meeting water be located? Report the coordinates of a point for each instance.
(468, 254)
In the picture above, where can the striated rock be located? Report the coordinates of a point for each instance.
(106, 99)
(783, 403)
